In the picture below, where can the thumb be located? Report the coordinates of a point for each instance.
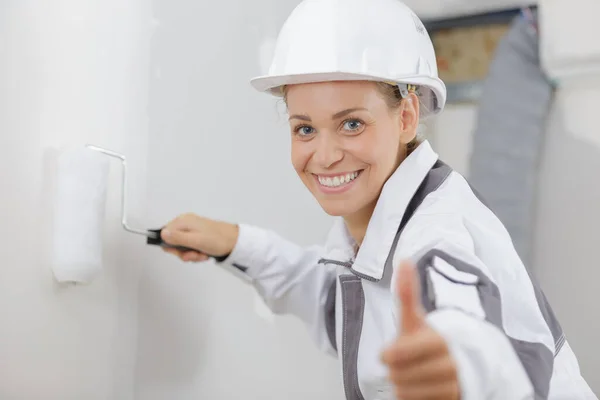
(409, 293)
(181, 237)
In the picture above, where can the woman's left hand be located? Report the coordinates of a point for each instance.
(419, 362)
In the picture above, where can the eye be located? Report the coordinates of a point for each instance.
(353, 125)
(304, 130)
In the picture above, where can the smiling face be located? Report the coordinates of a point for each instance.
(347, 140)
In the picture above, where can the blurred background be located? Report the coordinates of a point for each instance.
(166, 83)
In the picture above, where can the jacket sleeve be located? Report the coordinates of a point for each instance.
(468, 306)
(288, 278)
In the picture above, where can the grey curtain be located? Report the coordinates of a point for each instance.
(509, 132)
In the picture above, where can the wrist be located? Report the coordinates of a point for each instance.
(230, 234)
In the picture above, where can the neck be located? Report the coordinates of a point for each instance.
(358, 222)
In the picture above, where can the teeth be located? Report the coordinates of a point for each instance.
(337, 180)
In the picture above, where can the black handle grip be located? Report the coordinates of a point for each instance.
(158, 241)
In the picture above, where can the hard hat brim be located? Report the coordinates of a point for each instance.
(273, 83)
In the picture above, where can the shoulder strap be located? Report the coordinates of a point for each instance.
(433, 180)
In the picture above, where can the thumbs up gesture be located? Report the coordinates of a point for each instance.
(419, 362)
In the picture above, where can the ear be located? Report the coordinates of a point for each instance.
(409, 116)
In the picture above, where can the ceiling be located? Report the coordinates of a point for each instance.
(442, 9)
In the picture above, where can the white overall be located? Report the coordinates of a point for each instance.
(499, 327)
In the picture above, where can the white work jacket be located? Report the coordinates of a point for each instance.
(500, 329)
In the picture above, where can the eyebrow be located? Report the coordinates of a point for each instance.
(337, 115)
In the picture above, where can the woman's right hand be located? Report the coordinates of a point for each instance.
(206, 236)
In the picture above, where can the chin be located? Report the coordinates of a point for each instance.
(338, 208)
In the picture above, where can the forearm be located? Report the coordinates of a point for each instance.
(286, 275)
(488, 366)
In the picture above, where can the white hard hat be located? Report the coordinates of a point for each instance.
(340, 40)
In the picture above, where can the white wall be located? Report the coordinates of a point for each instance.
(219, 149)
(70, 72)
(451, 134)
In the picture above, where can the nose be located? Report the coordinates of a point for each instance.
(328, 151)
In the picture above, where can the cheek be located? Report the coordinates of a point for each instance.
(376, 150)
(386, 149)
(300, 156)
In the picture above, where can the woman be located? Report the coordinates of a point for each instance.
(418, 289)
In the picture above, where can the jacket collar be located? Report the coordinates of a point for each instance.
(389, 210)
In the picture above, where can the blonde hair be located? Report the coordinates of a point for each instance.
(393, 97)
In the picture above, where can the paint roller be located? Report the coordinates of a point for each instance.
(79, 209)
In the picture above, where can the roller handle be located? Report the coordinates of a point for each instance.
(156, 239)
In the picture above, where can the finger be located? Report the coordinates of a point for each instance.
(200, 257)
(426, 371)
(444, 390)
(193, 256)
(183, 222)
(187, 256)
(415, 348)
(172, 251)
(179, 237)
(409, 290)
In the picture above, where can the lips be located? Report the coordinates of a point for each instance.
(333, 181)
(336, 183)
